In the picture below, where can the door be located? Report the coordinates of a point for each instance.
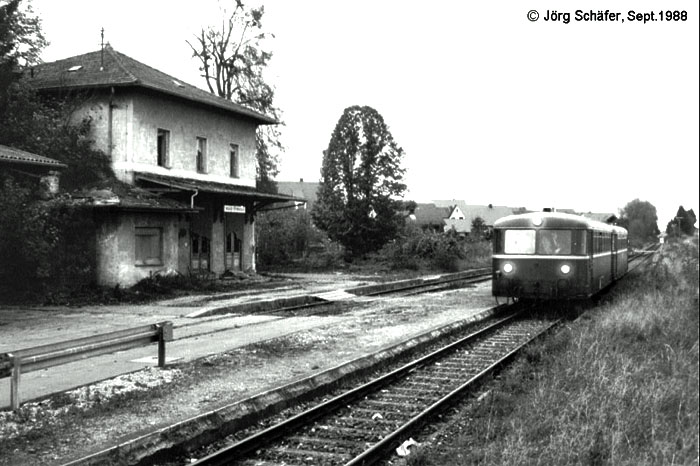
(232, 259)
(613, 256)
(200, 253)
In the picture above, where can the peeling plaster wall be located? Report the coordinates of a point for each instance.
(186, 123)
(116, 246)
(116, 142)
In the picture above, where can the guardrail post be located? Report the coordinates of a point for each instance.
(14, 382)
(165, 333)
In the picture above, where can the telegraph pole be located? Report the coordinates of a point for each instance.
(678, 226)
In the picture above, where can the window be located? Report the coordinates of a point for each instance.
(602, 242)
(149, 250)
(519, 242)
(233, 244)
(554, 242)
(234, 160)
(163, 148)
(201, 155)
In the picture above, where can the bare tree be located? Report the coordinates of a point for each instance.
(232, 61)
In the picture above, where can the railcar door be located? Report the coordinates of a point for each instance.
(613, 260)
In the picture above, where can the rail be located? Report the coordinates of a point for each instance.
(14, 363)
(337, 430)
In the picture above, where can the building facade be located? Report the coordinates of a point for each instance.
(177, 142)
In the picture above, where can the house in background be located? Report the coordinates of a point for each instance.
(304, 190)
(429, 217)
(462, 215)
(193, 150)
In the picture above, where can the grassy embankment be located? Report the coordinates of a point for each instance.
(619, 386)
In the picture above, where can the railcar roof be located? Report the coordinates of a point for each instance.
(555, 220)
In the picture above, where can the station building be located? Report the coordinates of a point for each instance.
(185, 159)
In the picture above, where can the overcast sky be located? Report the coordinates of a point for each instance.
(489, 106)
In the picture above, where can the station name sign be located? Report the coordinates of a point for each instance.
(234, 209)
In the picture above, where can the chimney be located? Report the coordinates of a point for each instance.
(49, 185)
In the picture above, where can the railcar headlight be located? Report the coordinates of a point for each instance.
(507, 267)
(537, 221)
(565, 269)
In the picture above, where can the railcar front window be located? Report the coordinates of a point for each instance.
(519, 242)
(554, 242)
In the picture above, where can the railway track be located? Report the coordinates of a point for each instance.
(639, 258)
(364, 424)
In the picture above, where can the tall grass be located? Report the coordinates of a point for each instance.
(620, 386)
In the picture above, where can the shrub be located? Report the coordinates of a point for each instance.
(448, 252)
(45, 246)
(284, 236)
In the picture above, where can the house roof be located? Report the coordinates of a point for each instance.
(300, 189)
(430, 214)
(555, 220)
(190, 184)
(488, 213)
(114, 69)
(12, 155)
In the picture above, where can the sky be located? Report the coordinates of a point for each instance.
(489, 106)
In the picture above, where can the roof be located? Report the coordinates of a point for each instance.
(12, 155)
(114, 69)
(605, 217)
(300, 189)
(554, 220)
(488, 213)
(190, 184)
(430, 214)
(121, 196)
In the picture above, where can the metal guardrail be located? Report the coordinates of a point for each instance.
(14, 363)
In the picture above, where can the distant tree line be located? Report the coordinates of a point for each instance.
(683, 223)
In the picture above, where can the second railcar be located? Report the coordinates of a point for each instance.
(552, 255)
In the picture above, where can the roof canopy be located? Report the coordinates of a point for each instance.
(189, 184)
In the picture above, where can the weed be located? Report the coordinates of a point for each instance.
(618, 387)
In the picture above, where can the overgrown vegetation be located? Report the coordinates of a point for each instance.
(46, 246)
(620, 386)
(417, 249)
(46, 243)
(287, 240)
(286, 237)
(682, 224)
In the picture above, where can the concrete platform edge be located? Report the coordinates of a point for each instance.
(192, 433)
(293, 301)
